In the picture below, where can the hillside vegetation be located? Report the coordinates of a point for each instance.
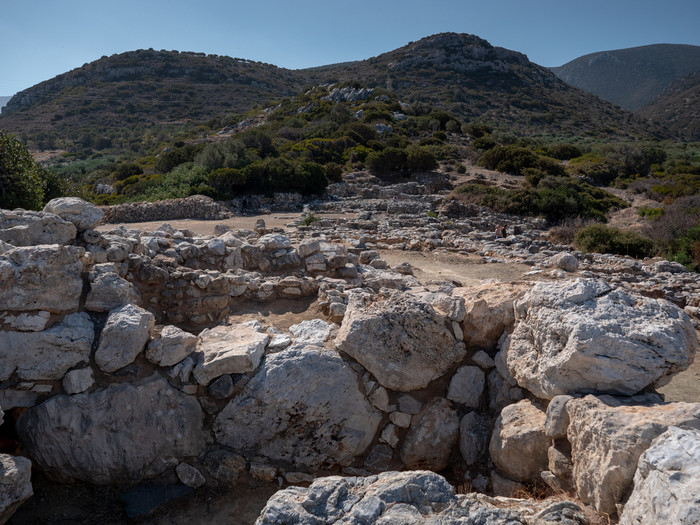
(678, 107)
(136, 100)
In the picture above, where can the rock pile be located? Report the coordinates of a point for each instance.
(120, 347)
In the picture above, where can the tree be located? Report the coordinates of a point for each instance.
(21, 178)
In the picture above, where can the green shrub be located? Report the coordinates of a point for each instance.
(125, 170)
(563, 151)
(420, 159)
(685, 249)
(23, 182)
(605, 239)
(651, 213)
(387, 161)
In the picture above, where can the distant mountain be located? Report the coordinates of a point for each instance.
(4, 101)
(678, 107)
(631, 78)
(126, 100)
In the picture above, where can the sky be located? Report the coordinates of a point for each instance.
(40, 39)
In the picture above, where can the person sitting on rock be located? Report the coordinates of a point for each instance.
(499, 232)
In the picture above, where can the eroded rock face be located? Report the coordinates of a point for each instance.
(666, 481)
(303, 406)
(84, 215)
(518, 444)
(608, 435)
(408, 498)
(125, 432)
(28, 228)
(584, 337)
(26, 271)
(48, 354)
(489, 311)
(401, 340)
(15, 484)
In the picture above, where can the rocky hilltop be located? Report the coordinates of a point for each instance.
(124, 365)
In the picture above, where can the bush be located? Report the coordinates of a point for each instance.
(563, 151)
(23, 182)
(605, 239)
(686, 249)
(420, 159)
(514, 159)
(387, 161)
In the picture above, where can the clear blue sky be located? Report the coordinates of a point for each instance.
(40, 39)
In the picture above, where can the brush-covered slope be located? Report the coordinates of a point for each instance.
(678, 107)
(631, 77)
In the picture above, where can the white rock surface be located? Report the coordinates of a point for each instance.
(302, 406)
(583, 337)
(84, 215)
(608, 435)
(125, 432)
(401, 340)
(231, 349)
(26, 272)
(667, 481)
(311, 332)
(48, 354)
(170, 346)
(15, 484)
(123, 337)
(518, 444)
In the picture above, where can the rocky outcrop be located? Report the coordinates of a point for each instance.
(608, 435)
(409, 498)
(561, 330)
(666, 481)
(432, 436)
(302, 407)
(401, 340)
(125, 432)
(194, 207)
(46, 277)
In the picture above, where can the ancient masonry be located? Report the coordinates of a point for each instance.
(120, 363)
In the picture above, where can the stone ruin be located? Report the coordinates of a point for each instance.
(121, 364)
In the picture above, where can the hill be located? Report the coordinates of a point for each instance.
(4, 100)
(469, 77)
(678, 107)
(633, 77)
(136, 100)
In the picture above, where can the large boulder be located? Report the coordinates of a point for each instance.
(408, 498)
(123, 337)
(489, 311)
(518, 444)
(46, 277)
(125, 432)
(234, 349)
(667, 481)
(47, 355)
(400, 339)
(15, 484)
(608, 435)
(29, 228)
(303, 406)
(431, 437)
(83, 214)
(584, 337)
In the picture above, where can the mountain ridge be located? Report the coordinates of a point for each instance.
(631, 77)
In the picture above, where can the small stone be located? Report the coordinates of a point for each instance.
(409, 404)
(400, 419)
(389, 436)
(557, 420)
(483, 359)
(77, 381)
(467, 386)
(380, 398)
(221, 388)
(263, 471)
(190, 475)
